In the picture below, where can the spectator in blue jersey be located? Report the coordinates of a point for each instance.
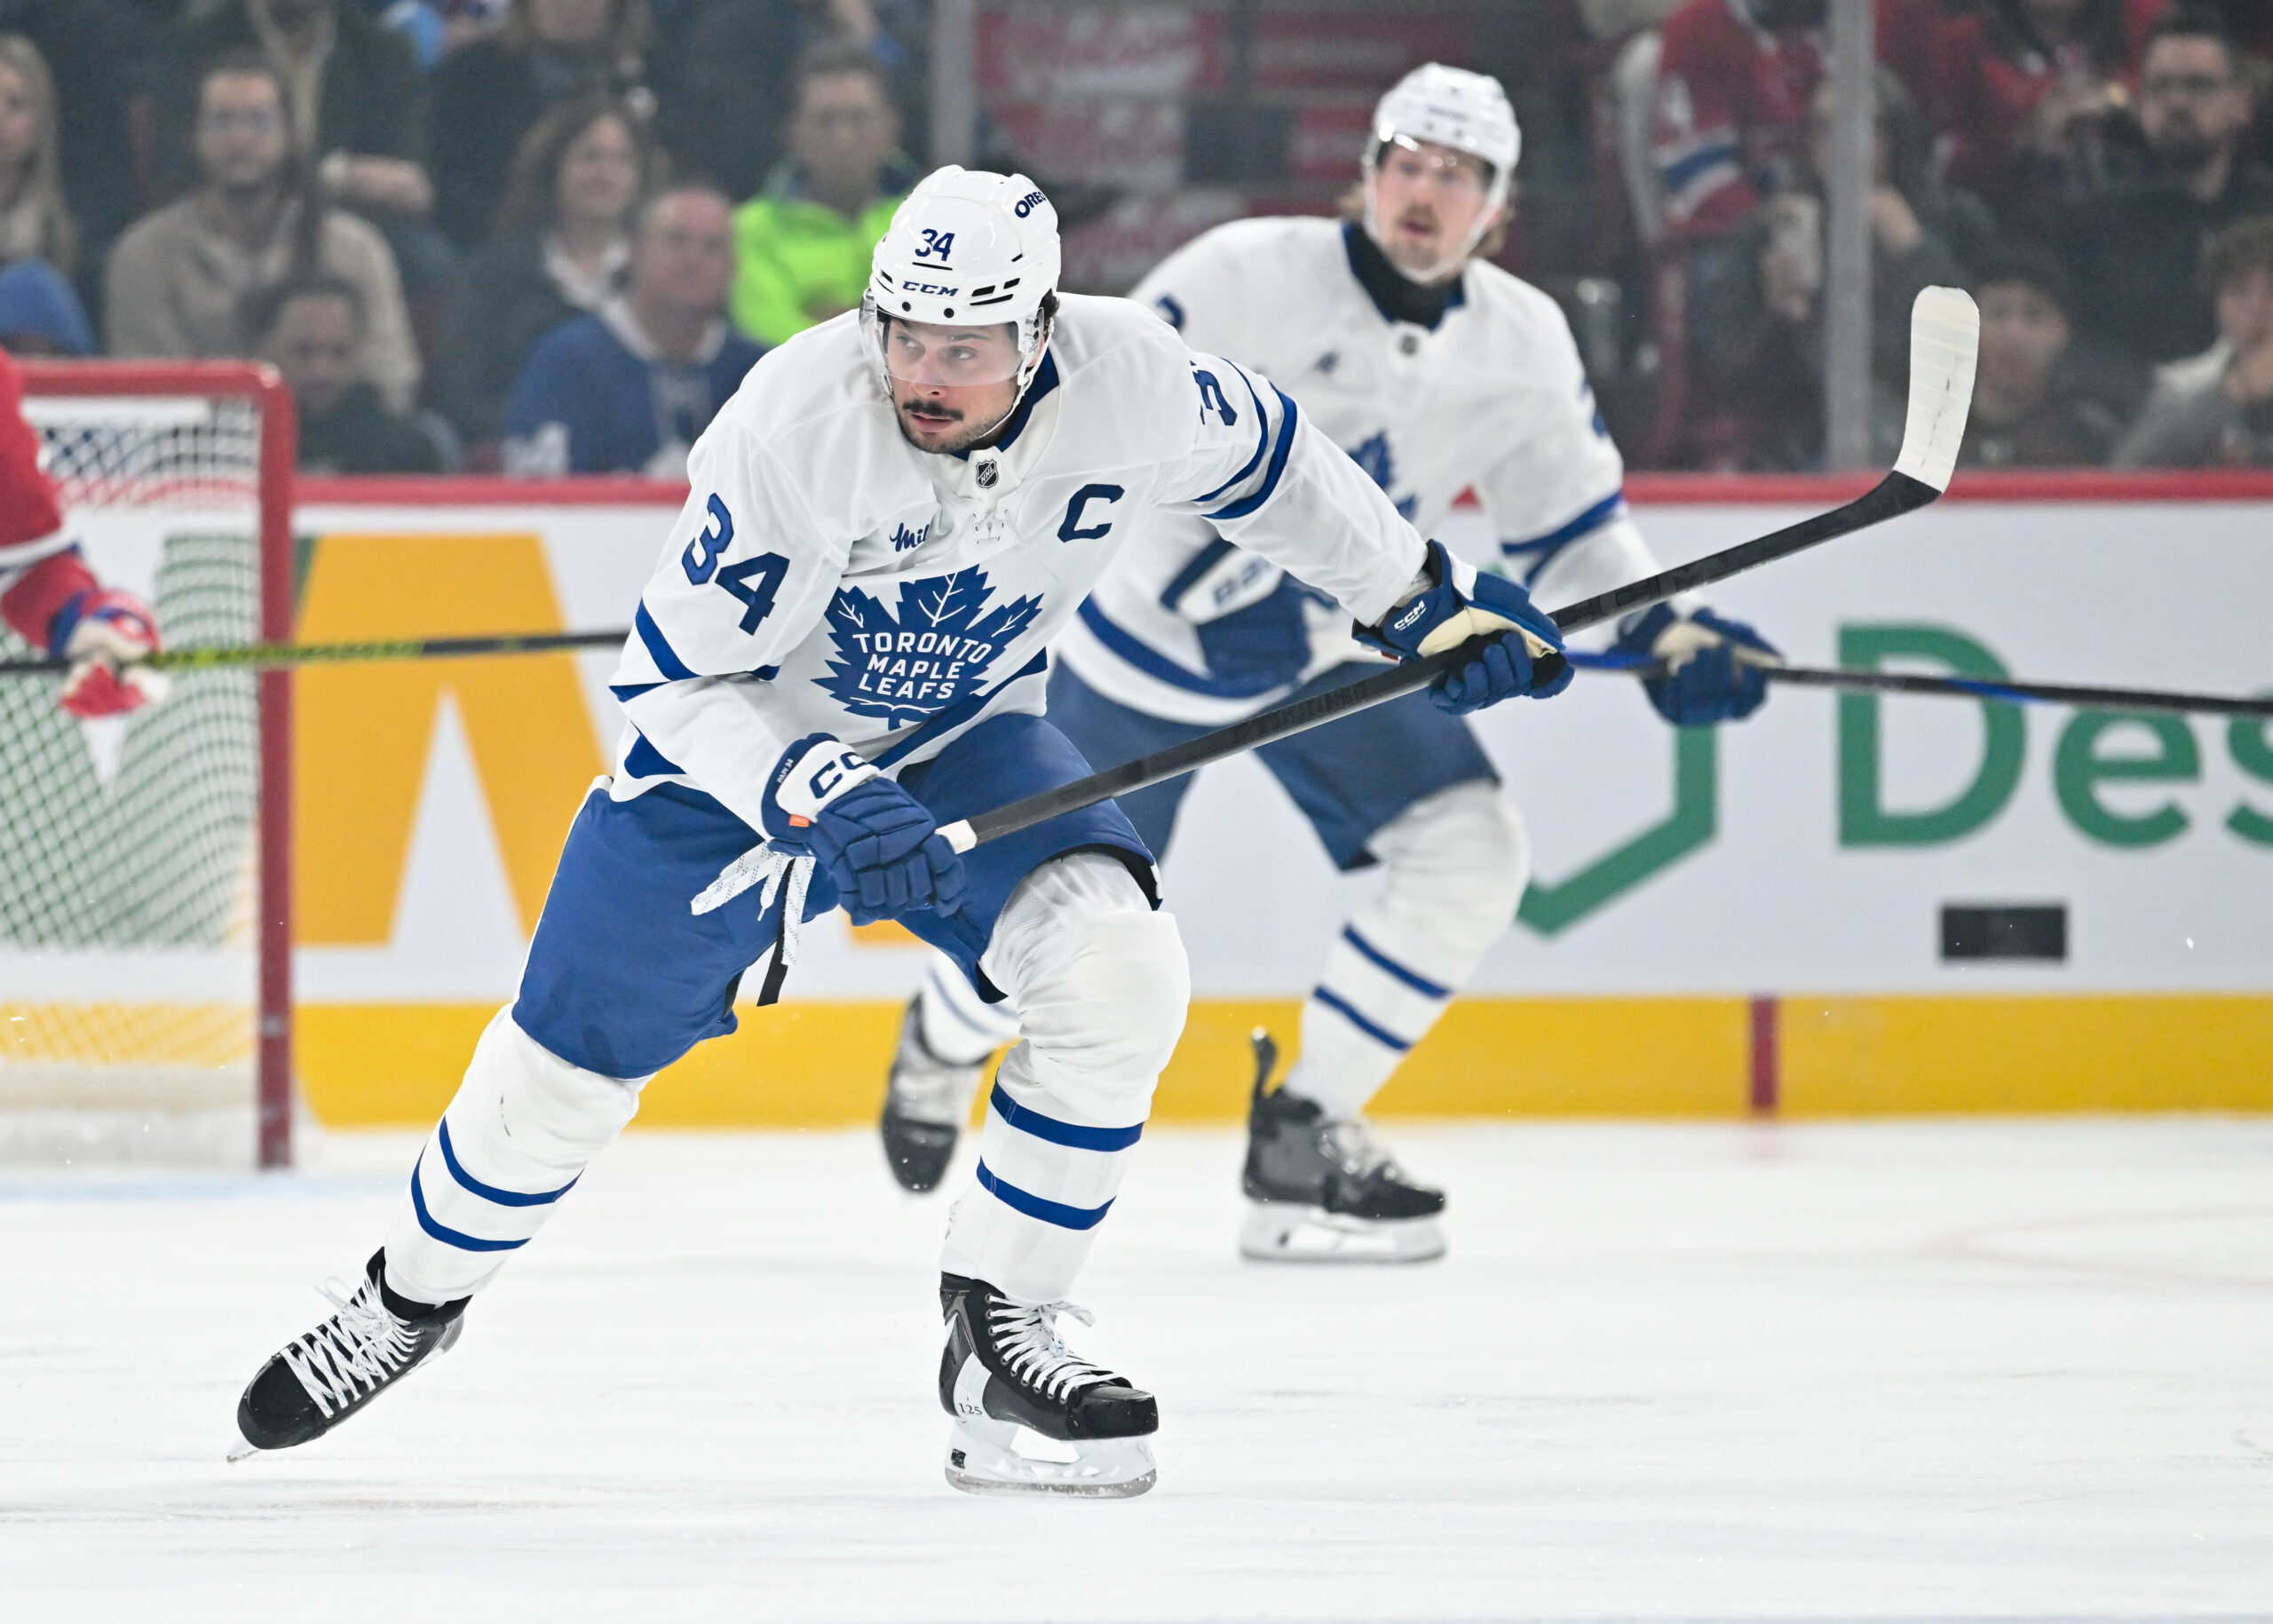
(627, 389)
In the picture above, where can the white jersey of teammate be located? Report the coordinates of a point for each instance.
(1493, 399)
(829, 577)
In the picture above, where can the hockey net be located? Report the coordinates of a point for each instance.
(145, 961)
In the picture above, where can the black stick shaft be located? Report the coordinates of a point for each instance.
(2021, 692)
(1891, 497)
(275, 656)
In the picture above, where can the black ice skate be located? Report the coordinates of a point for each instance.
(320, 1380)
(925, 1107)
(1324, 1191)
(1004, 1370)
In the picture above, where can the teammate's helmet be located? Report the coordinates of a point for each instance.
(968, 246)
(1450, 106)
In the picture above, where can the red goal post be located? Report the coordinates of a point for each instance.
(129, 444)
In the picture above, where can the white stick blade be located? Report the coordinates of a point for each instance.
(1944, 343)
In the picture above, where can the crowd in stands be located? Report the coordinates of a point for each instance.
(2093, 169)
(544, 236)
(549, 236)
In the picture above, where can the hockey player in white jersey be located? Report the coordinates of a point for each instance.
(1437, 372)
(841, 649)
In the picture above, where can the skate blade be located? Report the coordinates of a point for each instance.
(1276, 1232)
(983, 1458)
(243, 1449)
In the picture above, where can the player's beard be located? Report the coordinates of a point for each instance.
(1403, 250)
(964, 438)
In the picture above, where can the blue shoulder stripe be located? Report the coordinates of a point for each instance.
(1026, 1120)
(1249, 504)
(659, 649)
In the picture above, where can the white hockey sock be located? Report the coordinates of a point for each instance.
(1456, 865)
(959, 1026)
(1101, 982)
(515, 1139)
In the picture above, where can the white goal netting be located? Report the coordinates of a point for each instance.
(130, 924)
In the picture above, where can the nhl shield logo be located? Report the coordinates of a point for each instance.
(987, 473)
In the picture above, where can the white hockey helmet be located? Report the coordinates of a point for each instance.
(967, 246)
(1449, 107)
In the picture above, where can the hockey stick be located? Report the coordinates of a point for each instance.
(276, 656)
(1944, 329)
(2021, 692)
(1962, 687)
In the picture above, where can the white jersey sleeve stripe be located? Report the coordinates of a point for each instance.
(1291, 416)
(1262, 442)
(659, 648)
(1544, 548)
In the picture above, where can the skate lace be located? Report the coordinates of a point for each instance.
(354, 1353)
(1350, 1143)
(1026, 1337)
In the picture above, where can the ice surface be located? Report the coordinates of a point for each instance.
(1902, 1370)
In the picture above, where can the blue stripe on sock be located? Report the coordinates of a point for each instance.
(1341, 1007)
(491, 1193)
(1026, 1120)
(1419, 983)
(1034, 1207)
(449, 1237)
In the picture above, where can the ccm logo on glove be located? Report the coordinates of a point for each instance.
(1518, 645)
(809, 779)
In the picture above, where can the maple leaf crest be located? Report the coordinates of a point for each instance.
(1379, 464)
(902, 666)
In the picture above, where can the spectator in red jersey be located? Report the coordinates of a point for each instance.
(2037, 94)
(1756, 309)
(49, 597)
(1734, 83)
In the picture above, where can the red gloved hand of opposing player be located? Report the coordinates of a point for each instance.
(106, 634)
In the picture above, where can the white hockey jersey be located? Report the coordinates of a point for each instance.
(828, 577)
(1493, 399)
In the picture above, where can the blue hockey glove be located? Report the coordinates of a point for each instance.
(1460, 604)
(1706, 682)
(877, 842)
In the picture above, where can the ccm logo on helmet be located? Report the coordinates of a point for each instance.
(925, 288)
(1028, 203)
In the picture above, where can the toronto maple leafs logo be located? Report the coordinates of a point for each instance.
(904, 539)
(1380, 465)
(903, 667)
